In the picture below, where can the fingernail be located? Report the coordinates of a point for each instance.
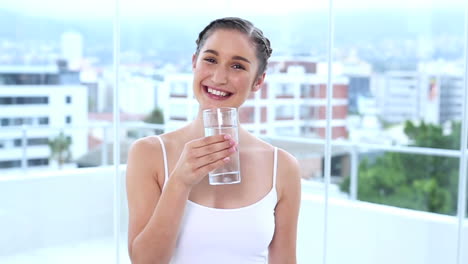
(226, 159)
(227, 136)
(232, 142)
(233, 149)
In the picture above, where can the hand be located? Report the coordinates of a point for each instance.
(201, 156)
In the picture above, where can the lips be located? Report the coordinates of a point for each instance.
(216, 93)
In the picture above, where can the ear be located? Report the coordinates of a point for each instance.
(258, 83)
(194, 61)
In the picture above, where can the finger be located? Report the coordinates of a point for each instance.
(212, 166)
(213, 148)
(211, 140)
(216, 156)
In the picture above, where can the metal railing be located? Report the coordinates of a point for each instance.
(352, 147)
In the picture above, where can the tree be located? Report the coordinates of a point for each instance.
(60, 149)
(156, 117)
(421, 182)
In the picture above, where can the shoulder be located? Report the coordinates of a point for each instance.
(143, 146)
(148, 146)
(288, 174)
(145, 159)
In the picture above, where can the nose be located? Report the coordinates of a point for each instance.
(220, 75)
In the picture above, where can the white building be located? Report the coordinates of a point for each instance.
(433, 93)
(34, 107)
(140, 91)
(443, 87)
(398, 95)
(72, 49)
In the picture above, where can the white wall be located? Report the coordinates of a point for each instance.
(63, 207)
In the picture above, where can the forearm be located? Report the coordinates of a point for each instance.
(156, 243)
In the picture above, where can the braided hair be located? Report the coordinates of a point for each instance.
(262, 44)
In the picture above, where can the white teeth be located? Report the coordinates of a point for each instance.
(216, 92)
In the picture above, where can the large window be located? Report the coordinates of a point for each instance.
(369, 96)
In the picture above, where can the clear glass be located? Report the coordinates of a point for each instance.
(218, 121)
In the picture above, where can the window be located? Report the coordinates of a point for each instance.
(37, 141)
(38, 162)
(6, 100)
(68, 99)
(5, 121)
(9, 164)
(284, 112)
(17, 142)
(43, 120)
(68, 119)
(179, 89)
(284, 90)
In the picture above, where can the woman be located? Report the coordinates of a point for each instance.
(175, 215)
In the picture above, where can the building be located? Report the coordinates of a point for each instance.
(442, 87)
(398, 95)
(37, 103)
(433, 93)
(72, 49)
(292, 101)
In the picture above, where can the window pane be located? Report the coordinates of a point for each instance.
(403, 65)
(53, 54)
(411, 197)
(400, 69)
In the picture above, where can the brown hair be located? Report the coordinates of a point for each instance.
(262, 44)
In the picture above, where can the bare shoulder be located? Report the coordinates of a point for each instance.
(288, 174)
(145, 148)
(144, 159)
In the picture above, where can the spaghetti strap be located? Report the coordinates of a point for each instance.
(275, 165)
(166, 173)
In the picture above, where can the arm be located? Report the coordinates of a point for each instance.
(155, 213)
(282, 248)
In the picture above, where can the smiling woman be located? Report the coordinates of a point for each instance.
(175, 215)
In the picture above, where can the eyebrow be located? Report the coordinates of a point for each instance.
(233, 57)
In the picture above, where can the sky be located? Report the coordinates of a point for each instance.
(174, 8)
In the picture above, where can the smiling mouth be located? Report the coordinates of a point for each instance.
(217, 93)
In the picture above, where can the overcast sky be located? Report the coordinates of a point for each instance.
(174, 8)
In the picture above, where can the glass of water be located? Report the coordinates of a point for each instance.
(223, 121)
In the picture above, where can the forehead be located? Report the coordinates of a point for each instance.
(231, 43)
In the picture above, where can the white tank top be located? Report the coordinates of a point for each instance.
(228, 236)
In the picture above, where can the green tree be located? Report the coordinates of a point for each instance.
(156, 117)
(421, 182)
(60, 149)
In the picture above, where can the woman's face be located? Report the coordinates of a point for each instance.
(225, 70)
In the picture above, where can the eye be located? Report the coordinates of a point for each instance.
(238, 66)
(210, 60)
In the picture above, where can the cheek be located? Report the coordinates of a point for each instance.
(242, 81)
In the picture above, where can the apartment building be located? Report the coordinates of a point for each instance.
(443, 91)
(433, 93)
(36, 104)
(398, 95)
